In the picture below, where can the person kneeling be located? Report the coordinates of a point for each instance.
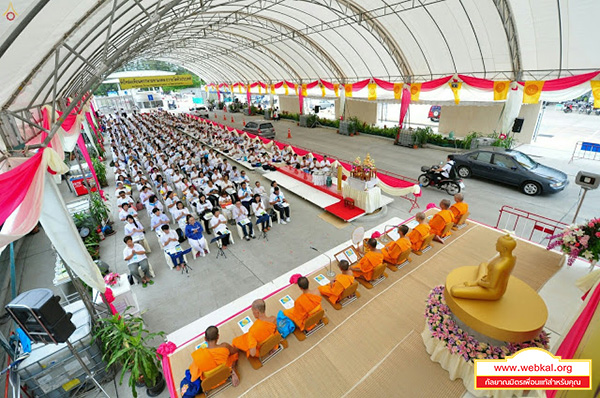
(342, 281)
(136, 258)
(306, 305)
(263, 327)
(240, 214)
(209, 358)
(366, 265)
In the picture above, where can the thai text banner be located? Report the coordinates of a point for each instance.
(155, 81)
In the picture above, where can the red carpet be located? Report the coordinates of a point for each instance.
(307, 179)
(339, 210)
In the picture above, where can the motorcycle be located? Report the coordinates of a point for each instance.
(451, 185)
(568, 108)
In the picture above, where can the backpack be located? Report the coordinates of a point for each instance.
(193, 387)
(272, 215)
(180, 235)
(285, 326)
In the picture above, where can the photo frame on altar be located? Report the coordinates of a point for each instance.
(350, 254)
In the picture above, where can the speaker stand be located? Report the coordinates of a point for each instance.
(85, 368)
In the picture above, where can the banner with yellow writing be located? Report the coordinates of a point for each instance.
(398, 90)
(372, 94)
(415, 91)
(336, 89)
(501, 90)
(348, 90)
(455, 87)
(532, 91)
(304, 90)
(596, 92)
(155, 81)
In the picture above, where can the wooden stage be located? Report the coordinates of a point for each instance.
(372, 347)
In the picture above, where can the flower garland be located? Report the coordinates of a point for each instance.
(111, 279)
(579, 241)
(459, 342)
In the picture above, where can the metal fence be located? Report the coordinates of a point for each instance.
(528, 225)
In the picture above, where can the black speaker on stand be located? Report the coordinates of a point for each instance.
(518, 125)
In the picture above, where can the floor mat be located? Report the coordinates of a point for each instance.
(333, 220)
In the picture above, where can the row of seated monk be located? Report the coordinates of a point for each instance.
(213, 365)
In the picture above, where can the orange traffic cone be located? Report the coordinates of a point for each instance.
(224, 117)
(232, 121)
(289, 133)
(215, 115)
(244, 122)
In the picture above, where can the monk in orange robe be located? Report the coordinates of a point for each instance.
(262, 328)
(207, 359)
(304, 306)
(342, 281)
(392, 251)
(440, 219)
(419, 233)
(459, 208)
(366, 265)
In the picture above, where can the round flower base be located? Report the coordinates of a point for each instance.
(455, 349)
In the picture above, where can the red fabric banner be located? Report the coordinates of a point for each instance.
(360, 85)
(15, 183)
(312, 85)
(278, 85)
(290, 85)
(404, 103)
(437, 83)
(482, 84)
(328, 85)
(88, 160)
(301, 100)
(568, 82)
(384, 85)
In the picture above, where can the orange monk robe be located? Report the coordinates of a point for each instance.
(371, 260)
(418, 235)
(458, 210)
(341, 283)
(439, 221)
(206, 359)
(304, 306)
(259, 332)
(394, 249)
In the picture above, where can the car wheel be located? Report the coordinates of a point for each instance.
(464, 172)
(531, 188)
(424, 180)
(452, 188)
(436, 114)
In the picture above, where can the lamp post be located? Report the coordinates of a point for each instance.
(329, 272)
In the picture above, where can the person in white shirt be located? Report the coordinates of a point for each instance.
(243, 177)
(170, 201)
(444, 171)
(280, 203)
(137, 261)
(135, 229)
(240, 214)
(258, 208)
(219, 225)
(259, 190)
(245, 195)
(127, 210)
(180, 214)
(123, 198)
(204, 211)
(158, 220)
(169, 241)
(122, 187)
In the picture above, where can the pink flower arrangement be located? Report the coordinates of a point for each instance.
(111, 279)
(579, 241)
(460, 342)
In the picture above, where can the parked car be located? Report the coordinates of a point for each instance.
(265, 129)
(510, 167)
(200, 111)
(325, 104)
(434, 113)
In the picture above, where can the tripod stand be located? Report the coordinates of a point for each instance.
(219, 242)
(178, 260)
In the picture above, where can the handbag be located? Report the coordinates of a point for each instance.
(139, 206)
(272, 215)
(285, 326)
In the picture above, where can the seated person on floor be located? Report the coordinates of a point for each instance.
(392, 251)
(440, 219)
(241, 216)
(280, 203)
(342, 281)
(263, 327)
(207, 359)
(459, 208)
(366, 265)
(419, 233)
(218, 223)
(306, 305)
(136, 258)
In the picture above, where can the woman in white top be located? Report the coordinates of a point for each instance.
(219, 225)
(258, 208)
(179, 214)
(259, 190)
(170, 201)
(135, 229)
(204, 211)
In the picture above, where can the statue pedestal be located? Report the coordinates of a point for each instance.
(518, 316)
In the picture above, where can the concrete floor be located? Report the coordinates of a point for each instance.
(176, 300)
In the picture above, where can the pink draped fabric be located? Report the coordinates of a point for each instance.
(301, 101)
(573, 338)
(384, 85)
(436, 83)
(360, 85)
(15, 183)
(88, 160)
(394, 182)
(248, 96)
(568, 82)
(312, 85)
(163, 351)
(482, 84)
(404, 103)
(328, 85)
(290, 85)
(278, 85)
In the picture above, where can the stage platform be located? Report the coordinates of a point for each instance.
(373, 346)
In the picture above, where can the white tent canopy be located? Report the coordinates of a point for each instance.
(61, 48)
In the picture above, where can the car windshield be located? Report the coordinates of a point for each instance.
(524, 160)
(266, 126)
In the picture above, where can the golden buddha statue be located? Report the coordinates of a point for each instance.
(492, 278)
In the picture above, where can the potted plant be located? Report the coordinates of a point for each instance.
(125, 341)
(98, 208)
(100, 169)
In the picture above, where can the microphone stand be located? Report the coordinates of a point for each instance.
(329, 272)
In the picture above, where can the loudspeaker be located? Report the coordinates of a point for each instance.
(518, 125)
(40, 315)
(317, 108)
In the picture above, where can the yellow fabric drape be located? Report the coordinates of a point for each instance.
(259, 88)
(322, 89)
(596, 92)
(372, 95)
(532, 91)
(272, 89)
(336, 89)
(348, 90)
(240, 88)
(455, 87)
(398, 90)
(286, 88)
(501, 90)
(415, 91)
(304, 90)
